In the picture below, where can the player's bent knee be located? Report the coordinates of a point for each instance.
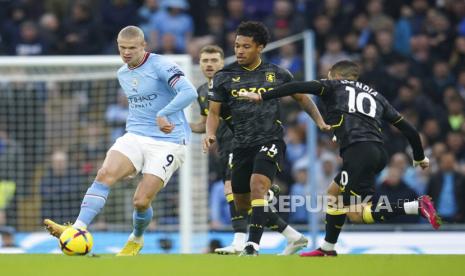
(242, 206)
(355, 217)
(104, 175)
(141, 203)
(258, 190)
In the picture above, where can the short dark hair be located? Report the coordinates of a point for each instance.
(211, 49)
(347, 69)
(256, 30)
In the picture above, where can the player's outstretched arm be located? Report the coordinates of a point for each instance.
(309, 106)
(213, 120)
(288, 89)
(414, 139)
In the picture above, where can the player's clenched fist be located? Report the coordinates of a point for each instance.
(208, 141)
(255, 97)
(423, 163)
(164, 125)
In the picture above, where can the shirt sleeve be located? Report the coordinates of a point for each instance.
(287, 76)
(390, 114)
(202, 100)
(298, 87)
(171, 73)
(181, 86)
(217, 93)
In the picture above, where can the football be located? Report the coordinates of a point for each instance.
(76, 241)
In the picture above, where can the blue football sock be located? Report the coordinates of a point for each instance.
(93, 202)
(140, 221)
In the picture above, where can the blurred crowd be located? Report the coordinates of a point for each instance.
(411, 51)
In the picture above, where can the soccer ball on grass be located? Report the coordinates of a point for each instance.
(76, 241)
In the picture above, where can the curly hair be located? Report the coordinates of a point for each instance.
(254, 29)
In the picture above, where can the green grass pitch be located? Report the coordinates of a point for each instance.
(203, 265)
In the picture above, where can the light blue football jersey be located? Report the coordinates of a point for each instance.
(150, 87)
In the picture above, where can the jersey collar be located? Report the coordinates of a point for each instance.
(252, 69)
(144, 59)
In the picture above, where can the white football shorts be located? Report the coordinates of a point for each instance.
(151, 156)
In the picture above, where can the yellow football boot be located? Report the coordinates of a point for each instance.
(131, 248)
(54, 228)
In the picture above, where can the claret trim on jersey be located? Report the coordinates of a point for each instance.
(146, 56)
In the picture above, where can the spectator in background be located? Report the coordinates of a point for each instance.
(116, 14)
(116, 115)
(259, 9)
(441, 35)
(410, 176)
(410, 98)
(215, 26)
(396, 190)
(334, 53)
(235, 14)
(168, 45)
(456, 144)
(83, 35)
(437, 150)
(283, 16)
(421, 59)
(171, 19)
(29, 42)
(361, 28)
(377, 19)
(12, 174)
(289, 58)
(323, 28)
(370, 65)
(420, 9)
(442, 78)
(457, 57)
(351, 45)
(326, 171)
(385, 42)
(52, 33)
(447, 189)
(432, 131)
(295, 144)
(8, 245)
(61, 116)
(403, 31)
(60, 8)
(61, 188)
(461, 83)
(455, 113)
(145, 13)
(336, 13)
(299, 214)
(11, 26)
(91, 149)
(219, 208)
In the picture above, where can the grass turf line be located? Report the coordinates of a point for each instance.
(203, 265)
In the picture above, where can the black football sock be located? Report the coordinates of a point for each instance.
(334, 223)
(274, 221)
(382, 212)
(238, 218)
(257, 220)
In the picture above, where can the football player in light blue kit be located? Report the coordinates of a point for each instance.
(157, 132)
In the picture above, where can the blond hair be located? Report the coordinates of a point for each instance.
(131, 32)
